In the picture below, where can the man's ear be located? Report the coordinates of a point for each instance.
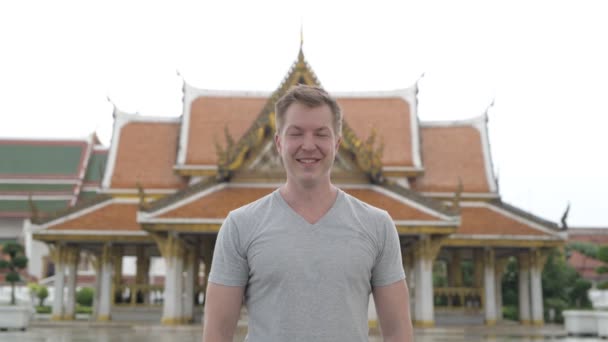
(277, 142)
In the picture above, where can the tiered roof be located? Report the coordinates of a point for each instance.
(196, 162)
(43, 176)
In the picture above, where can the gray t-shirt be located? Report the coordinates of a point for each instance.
(307, 282)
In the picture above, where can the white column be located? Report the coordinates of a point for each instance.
(498, 290)
(524, 288)
(59, 284)
(489, 302)
(97, 291)
(72, 266)
(536, 288)
(105, 293)
(189, 287)
(424, 310)
(172, 305)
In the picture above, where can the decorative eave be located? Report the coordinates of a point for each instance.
(437, 206)
(461, 240)
(472, 196)
(69, 212)
(540, 223)
(100, 236)
(120, 120)
(546, 229)
(153, 208)
(481, 124)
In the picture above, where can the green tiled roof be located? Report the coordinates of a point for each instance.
(36, 187)
(86, 195)
(40, 159)
(97, 164)
(23, 205)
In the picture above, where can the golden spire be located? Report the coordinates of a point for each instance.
(301, 33)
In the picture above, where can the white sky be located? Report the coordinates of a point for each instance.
(544, 63)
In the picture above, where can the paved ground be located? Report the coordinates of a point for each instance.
(78, 331)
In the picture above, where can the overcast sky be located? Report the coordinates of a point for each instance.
(545, 64)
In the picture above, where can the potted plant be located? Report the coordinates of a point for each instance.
(13, 260)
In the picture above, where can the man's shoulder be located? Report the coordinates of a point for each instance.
(364, 208)
(252, 209)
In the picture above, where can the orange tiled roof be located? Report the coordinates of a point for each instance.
(219, 203)
(391, 119)
(114, 216)
(449, 153)
(146, 154)
(397, 210)
(483, 220)
(585, 266)
(208, 118)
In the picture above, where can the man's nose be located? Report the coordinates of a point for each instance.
(309, 142)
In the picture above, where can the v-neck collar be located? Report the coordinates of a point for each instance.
(299, 217)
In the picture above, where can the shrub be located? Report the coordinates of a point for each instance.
(43, 309)
(84, 296)
(16, 261)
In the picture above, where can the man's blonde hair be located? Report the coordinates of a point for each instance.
(312, 97)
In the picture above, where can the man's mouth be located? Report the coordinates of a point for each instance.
(307, 160)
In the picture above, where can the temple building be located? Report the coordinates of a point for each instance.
(168, 183)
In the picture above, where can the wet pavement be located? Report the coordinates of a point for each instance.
(117, 331)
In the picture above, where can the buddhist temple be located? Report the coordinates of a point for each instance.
(167, 184)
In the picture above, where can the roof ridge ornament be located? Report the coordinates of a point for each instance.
(564, 218)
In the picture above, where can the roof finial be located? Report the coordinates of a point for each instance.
(301, 33)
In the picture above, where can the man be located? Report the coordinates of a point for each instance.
(306, 257)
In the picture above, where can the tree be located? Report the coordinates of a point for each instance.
(16, 261)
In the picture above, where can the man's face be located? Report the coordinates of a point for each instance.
(307, 144)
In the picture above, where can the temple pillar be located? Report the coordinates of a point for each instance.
(117, 252)
(172, 250)
(207, 255)
(72, 256)
(105, 286)
(489, 276)
(455, 270)
(97, 285)
(189, 281)
(536, 268)
(408, 267)
(58, 255)
(499, 268)
(425, 251)
(142, 275)
(524, 288)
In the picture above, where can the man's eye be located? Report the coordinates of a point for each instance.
(294, 134)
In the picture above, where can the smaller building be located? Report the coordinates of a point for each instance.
(584, 265)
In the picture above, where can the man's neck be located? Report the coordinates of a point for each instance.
(310, 202)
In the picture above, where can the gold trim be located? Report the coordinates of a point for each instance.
(538, 323)
(103, 318)
(89, 238)
(194, 172)
(525, 322)
(490, 322)
(500, 243)
(372, 323)
(445, 230)
(172, 321)
(424, 324)
(56, 318)
(68, 317)
(183, 228)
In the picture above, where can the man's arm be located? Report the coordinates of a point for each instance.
(393, 308)
(222, 310)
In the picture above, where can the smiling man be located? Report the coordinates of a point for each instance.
(306, 257)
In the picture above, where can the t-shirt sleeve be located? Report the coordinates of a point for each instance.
(229, 266)
(389, 264)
